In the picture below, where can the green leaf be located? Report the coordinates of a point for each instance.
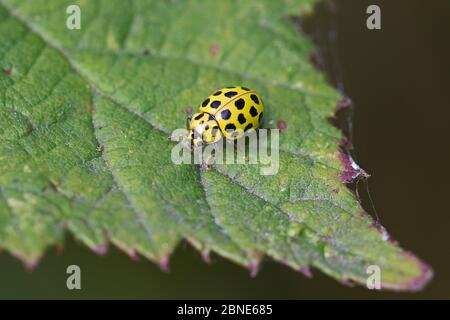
(84, 120)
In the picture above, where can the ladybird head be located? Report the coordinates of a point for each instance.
(203, 128)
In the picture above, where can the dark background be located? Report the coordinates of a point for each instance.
(399, 80)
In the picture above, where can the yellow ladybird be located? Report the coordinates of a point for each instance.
(228, 112)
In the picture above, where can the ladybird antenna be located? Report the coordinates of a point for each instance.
(188, 121)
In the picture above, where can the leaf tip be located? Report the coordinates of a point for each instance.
(132, 254)
(101, 249)
(164, 264)
(425, 275)
(254, 267)
(214, 50)
(29, 261)
(206, 256)
(306, 271)
(348, 282)
(415, 283)
(30, 265)
(351, 170)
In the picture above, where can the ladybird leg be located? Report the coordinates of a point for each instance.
(207, 164)
(206, 167)
(208, 161)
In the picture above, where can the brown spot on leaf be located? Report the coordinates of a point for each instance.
(282, 125)
(53, 184)
(364, 214)
(214, 50)
(8, 71)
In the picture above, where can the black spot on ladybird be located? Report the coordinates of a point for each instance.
(207, 127)
(240, 103)
(217, 93)
(254, 97)
(230, 126)
(8, 71)
(244, 88)
(205, 103)
(225, 114)
(249, 126)
(198, 117)
(215, 104)
(253, 111)
(241, 118)
(230, 94)
(211, 117)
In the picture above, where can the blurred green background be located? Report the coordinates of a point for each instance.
(399, 81)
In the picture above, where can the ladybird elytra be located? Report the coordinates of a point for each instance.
(227, 112)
